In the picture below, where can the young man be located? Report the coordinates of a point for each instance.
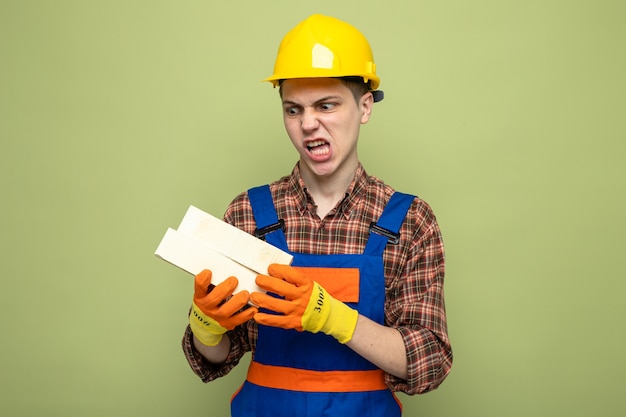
(360, 313)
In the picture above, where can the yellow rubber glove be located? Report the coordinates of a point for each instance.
(215, 309)
(306, 305)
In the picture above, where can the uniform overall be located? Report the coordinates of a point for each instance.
(305, 374)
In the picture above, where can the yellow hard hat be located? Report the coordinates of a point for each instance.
(323, 46)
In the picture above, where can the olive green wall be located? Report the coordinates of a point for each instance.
(508, 117)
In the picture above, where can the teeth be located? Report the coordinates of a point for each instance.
(322, 151)
(315, 143)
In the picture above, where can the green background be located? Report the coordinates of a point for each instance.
(508, 117)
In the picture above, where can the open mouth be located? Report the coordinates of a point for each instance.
(318, 147)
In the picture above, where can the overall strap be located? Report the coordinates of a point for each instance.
(269, 227)
(387, 228)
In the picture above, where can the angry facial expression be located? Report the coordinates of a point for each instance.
(323, 120)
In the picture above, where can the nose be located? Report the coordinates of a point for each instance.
(309, 120)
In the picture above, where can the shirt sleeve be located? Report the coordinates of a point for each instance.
(416, 308)
(205, 370)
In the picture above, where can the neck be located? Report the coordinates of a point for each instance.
(327, 191)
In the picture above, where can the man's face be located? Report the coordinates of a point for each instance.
(323, 121)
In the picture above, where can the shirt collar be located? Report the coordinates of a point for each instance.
(354, 192)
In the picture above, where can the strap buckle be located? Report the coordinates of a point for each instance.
(260, 233)
(392, 237)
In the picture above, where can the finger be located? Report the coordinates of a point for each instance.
(285, 322)
(272, 303)
(218, 294)
(202, 282)
(224, 289)
(278, 286)
(240, 318)
(288, 273)
(234, 304)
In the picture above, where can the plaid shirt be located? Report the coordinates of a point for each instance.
(414, 272)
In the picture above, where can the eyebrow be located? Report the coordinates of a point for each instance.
(321, 100)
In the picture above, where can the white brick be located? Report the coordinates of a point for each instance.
(231, 241)
(203, 241)
(194, 256)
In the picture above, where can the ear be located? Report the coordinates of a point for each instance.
(365, 105)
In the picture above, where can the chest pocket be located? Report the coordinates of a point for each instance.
(341, 283)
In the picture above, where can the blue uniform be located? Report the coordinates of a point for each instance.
(305, 374)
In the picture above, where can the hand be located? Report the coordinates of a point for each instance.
(214, 311)
(306, 304)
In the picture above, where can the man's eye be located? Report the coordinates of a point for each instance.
(327, 106)
(291, 111)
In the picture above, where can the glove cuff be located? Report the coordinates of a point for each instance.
(326, 314)
(341, 321)
(317, 310)
(207, 330)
